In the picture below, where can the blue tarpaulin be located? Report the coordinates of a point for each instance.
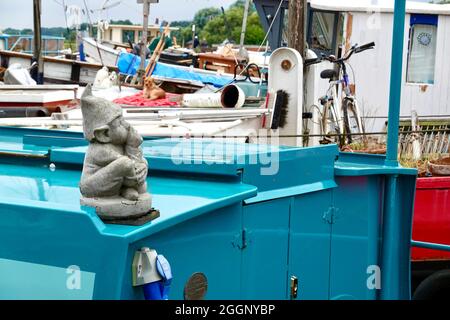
(129, 64)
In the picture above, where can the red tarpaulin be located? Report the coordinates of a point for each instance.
(138, 100)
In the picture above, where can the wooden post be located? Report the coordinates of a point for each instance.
(37, 55)
(297, 25)
(144, 34)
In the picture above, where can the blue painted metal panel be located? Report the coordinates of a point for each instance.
(309, 244)
(293, 167)
(38, 233)
(48, 282)
(355, 236)
(208, 244)
(265, 254)
(430, 19)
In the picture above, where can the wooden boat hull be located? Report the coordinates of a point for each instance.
(62, 71)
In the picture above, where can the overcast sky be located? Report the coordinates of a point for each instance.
(19, 13)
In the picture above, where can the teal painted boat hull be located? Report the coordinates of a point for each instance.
(318, 215)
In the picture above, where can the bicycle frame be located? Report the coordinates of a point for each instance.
(336, 104)
(339, 98)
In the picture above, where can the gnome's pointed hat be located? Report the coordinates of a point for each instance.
(97, 112)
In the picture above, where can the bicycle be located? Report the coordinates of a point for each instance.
(341, 113)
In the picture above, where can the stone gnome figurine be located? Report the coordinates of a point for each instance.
(115, 171)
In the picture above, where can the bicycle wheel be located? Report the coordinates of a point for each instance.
(329, 125)
(352, 122)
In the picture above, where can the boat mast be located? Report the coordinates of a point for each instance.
(143, 44)
(144, 33)
(244, 25)
(37, 56)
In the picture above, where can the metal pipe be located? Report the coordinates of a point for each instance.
(390, 247)
(396, 82)
(430, 245)
(395, 251)
(395, 266)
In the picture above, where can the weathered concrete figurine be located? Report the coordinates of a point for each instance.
(115, 171)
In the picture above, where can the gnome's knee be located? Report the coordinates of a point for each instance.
(100, 185)
(88, 188)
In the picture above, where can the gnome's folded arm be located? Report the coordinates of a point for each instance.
(102, 154)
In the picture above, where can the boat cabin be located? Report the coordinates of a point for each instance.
(117, 33)
(51, 46)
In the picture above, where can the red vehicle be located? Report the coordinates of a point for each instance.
(431, 268)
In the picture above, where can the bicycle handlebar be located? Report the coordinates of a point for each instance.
(369, 45)
(309, 62)
(332, 58)
(365, 47)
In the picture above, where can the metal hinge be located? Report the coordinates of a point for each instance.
(331, 215)
(240, 240)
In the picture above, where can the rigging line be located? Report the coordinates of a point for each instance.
(222, 136)
(67, 24)
(271, 25)
(65, 14)
(131, 7)
(96, 43)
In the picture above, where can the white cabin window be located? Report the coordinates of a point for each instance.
(324, 29)
(422, 49)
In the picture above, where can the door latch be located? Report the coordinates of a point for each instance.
(294, 287)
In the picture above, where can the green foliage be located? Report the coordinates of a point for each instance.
(182, 25)
(203, 16)
(255, 32)
(217, 30)
(12, 31)
(211, 25)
